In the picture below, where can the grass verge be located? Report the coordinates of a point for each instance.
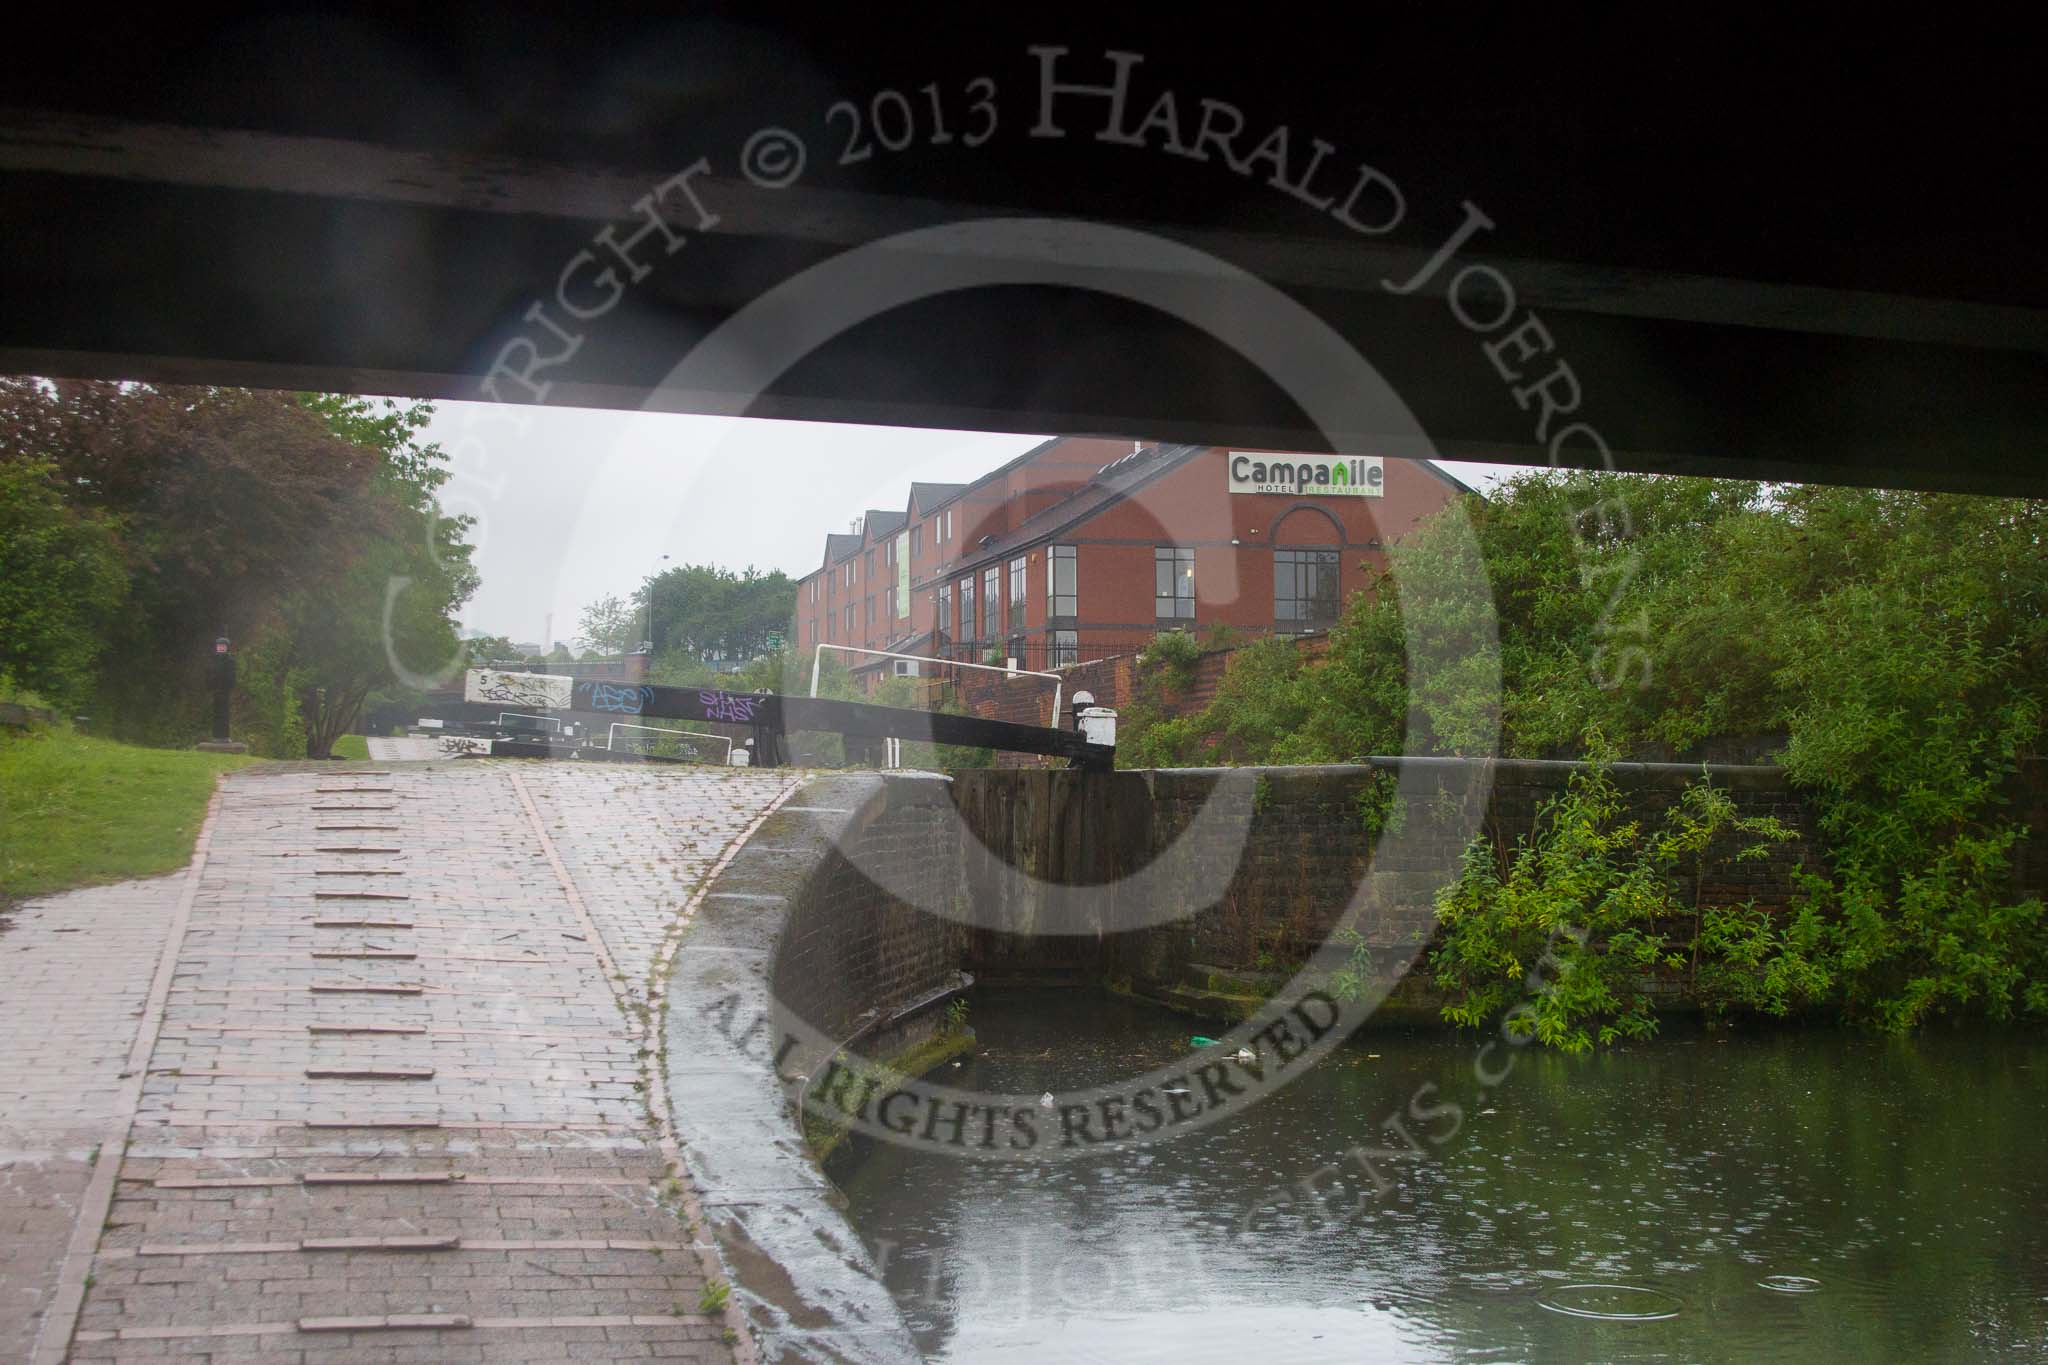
(79, 811)
(352, 746)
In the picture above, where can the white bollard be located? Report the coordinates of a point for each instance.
(1098, 725)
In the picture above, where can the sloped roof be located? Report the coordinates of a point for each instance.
(1111, 482)
(1448, 477)
(930, 495)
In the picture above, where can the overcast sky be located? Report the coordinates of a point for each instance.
(574, 503)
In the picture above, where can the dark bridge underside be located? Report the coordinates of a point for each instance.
(1765, 257)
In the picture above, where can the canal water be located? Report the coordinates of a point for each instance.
(1801, 1196)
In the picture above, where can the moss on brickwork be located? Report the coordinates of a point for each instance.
(823, 1133)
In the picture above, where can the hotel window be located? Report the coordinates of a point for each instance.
(945, 532)
(1066, 649)
(967, 609)
(871, 611)
(1062, 582)
(871, 566)
(991, 601)
(1173, 583)
(1305, 584)
(849, 620)
(1018, 592)
(916, 541)
(945, 623)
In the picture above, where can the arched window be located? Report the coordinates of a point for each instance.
(1307, 569)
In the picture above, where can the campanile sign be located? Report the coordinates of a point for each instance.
(1323, 476)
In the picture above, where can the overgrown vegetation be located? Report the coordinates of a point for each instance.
(1566, 932)
(1891, 649)
(138, 522)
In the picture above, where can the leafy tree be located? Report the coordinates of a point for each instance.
(385, 611)
(484, 648)
(258, 515)
(705, 612)
(270, 718)
(61, 581)
(611, 625)
(1913, 691)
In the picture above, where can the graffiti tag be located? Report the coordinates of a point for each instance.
(725, 706)
(613, 697)
(516, 689)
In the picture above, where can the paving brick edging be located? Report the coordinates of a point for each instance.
(53, 1334)
(809, 1281)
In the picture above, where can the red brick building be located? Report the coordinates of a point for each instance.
(1081, 548)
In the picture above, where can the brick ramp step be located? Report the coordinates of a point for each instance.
(339, 1158)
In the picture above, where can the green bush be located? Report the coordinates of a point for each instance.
(1895, 645)
(1563, 934)
(61, 581)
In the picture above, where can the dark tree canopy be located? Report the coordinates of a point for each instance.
(303, 527)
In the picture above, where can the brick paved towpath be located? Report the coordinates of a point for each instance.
(386, 1094)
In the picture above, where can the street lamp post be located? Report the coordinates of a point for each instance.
(647, 603)
(220, 678)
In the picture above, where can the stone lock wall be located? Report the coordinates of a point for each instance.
(1283, 858)
(850, 952)
(1291, 851)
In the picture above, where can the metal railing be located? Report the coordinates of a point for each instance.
(1039, 653)
(818, 659)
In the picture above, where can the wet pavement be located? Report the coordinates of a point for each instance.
(391, 1040)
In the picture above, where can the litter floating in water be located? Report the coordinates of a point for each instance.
(1789, 1284)
(1046, 1100)
(1245, 1054)
(1183, 1090)
(1611, 1302)
(1199, 1041)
